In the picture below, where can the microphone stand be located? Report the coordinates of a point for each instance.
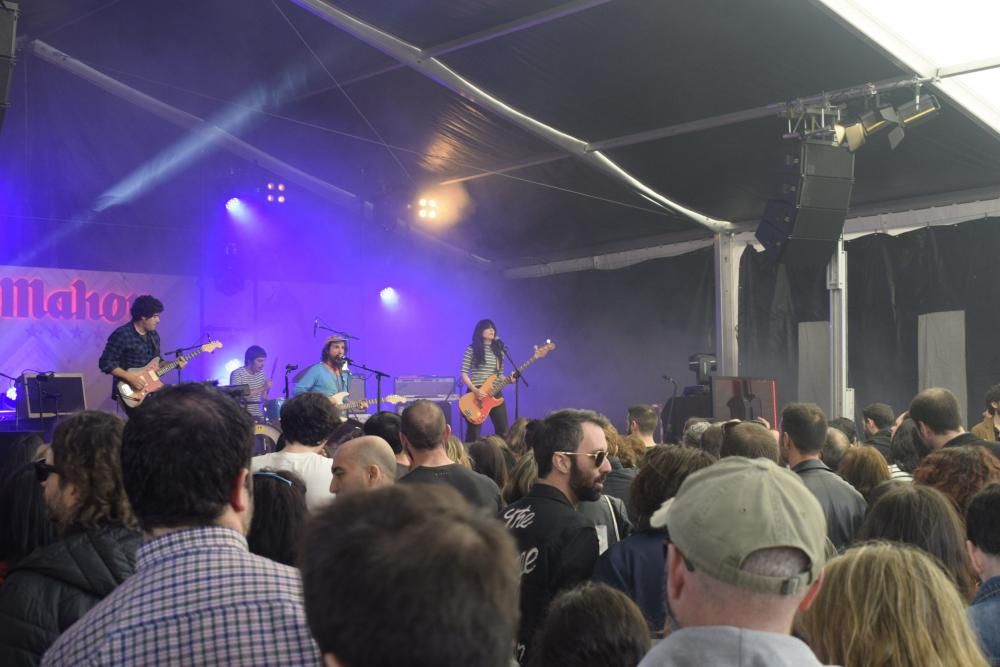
(378, 380)
(518, 379)
(670, 412)
(288, 369)
(178, 352)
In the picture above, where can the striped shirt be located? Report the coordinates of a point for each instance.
(198, 597)
(256, 383)
(478, 374)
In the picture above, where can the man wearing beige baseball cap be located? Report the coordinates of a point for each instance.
(747, 546)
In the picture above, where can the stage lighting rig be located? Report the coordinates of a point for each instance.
(427, 208)
(825, 121)
(895, 119)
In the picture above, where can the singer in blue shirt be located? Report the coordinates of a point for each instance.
(330, 376)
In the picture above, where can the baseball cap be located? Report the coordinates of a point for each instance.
(733, 508)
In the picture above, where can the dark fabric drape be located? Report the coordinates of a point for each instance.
(618, 332)
(892, 280)
(774, 298)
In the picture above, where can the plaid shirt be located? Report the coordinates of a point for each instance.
(198, 597)
(126, 349)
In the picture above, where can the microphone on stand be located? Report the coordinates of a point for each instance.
(315, 326)
(291, 367)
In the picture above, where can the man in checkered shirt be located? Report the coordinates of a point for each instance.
(198, 596)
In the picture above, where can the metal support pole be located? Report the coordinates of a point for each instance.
(727, 304)
(841, 400)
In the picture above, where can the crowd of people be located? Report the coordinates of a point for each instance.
(565, 542)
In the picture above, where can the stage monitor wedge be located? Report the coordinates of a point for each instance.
(804, 219)
(8, 36)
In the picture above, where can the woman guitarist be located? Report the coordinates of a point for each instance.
(483, 358)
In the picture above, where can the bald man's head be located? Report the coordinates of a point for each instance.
(363, 464)
(424, 426)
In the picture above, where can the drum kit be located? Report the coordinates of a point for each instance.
(267, 430)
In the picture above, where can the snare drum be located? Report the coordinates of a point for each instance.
(272, 410)
(265, 439)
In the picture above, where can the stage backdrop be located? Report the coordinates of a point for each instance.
(58, 320)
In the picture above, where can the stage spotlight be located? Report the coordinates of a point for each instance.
(270, 186)
(389, 296)
(270, 198)
(918, 110)
(281, 199)
(12, 393)
(232, 365)
(428, 208)
(281, 187)
(233, 205)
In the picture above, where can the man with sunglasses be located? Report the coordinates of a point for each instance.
(558, 545)
(55, 585)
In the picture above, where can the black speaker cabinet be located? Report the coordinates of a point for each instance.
(804, 219)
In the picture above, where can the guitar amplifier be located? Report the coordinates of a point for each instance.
(424, 386)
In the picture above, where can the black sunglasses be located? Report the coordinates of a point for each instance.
(43, 470)
(599, 456)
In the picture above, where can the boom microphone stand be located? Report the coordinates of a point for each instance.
(178, 352)
(378, 380)
(518, 379)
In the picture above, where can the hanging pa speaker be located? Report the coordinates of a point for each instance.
(8, 35)
(804, 218)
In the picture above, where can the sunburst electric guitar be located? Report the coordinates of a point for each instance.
(152, 372)
(475, 410)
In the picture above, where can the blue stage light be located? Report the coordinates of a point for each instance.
(389, 296)
(234, 205)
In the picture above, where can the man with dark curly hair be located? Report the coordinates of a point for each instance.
(307, 422)
(56, 585)
(133, 345)
(198, 596)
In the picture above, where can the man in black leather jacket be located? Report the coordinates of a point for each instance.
(558, 544)
(51, 588)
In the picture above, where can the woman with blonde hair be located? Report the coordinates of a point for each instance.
(888, 605)
(457, 452)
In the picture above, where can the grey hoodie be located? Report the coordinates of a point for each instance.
(710, 646)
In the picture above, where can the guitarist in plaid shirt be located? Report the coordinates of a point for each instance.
(133, 345)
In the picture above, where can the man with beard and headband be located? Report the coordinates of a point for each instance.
(746, 549)
(330, 375)
(558, 545)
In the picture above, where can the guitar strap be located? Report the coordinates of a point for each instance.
(154, 340)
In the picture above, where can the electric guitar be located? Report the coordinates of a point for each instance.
(476, 411)
(359, 406)
(152, 372)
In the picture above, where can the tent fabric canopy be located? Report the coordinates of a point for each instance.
(387, 133)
